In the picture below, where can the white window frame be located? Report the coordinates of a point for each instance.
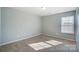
(67, 24)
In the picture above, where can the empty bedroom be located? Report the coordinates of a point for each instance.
(38, 29)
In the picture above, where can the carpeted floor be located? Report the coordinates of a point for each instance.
(45, 43)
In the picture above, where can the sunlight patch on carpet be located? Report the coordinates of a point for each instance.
(40, 45)
(54, 42)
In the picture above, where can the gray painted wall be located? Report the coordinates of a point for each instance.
(77, 28)
(52, 25)
(19, 25)
(0, 24)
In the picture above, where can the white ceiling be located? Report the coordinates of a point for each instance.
(48, 11)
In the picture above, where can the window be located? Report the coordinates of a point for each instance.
(67, 24)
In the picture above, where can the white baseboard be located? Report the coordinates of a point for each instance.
(58, 37)
(28, 38)
(19, 40)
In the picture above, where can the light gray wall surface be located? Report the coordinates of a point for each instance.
(52, 25)
(77, 28)
(0, 25)
(19, 25)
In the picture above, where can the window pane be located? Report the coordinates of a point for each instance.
(67, 24)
